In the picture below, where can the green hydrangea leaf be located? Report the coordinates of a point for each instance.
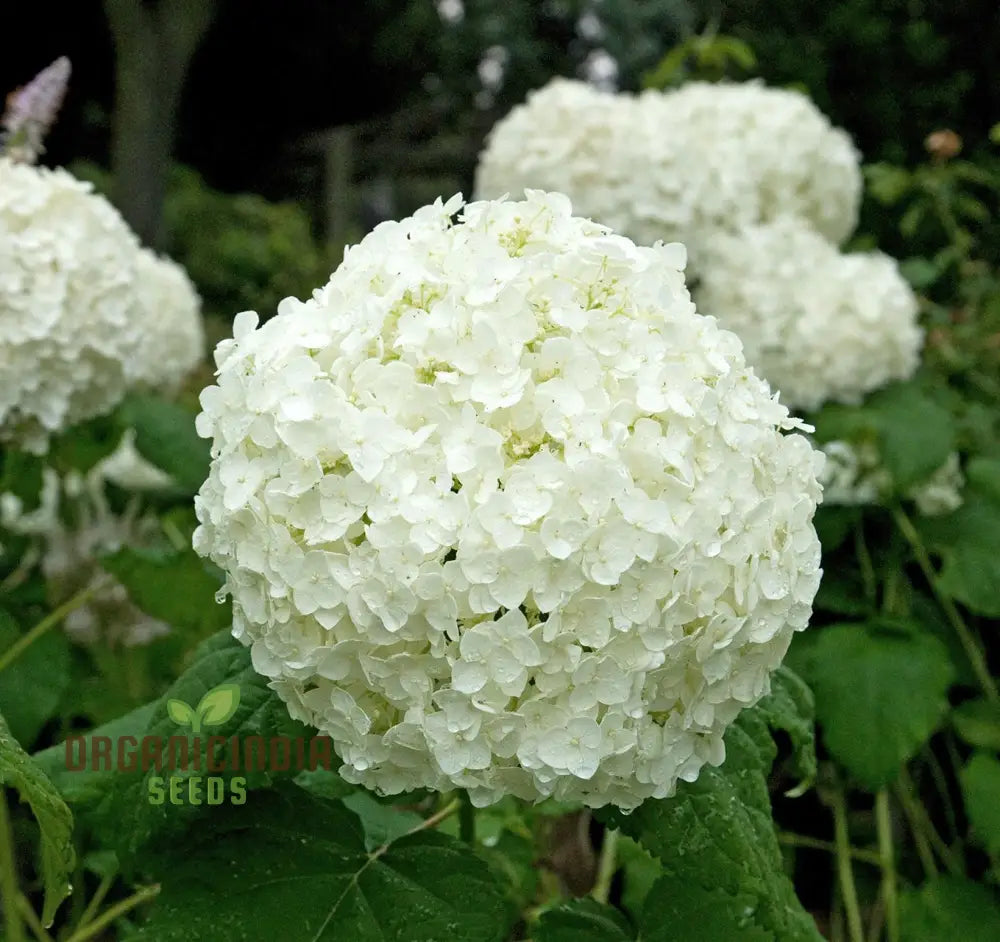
(916, 433)
(582, 920)
(175, 587)
(55, 821)
(118, 803)
(950, 908)
(32, 686)
(978, 723)
(299, 868)
(881, 691)
(981, 787)
(969, 541)
(166, 437)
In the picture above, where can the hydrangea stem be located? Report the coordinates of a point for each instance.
(31, 918)
(466, 819)
(973, 651)
(883, 826)
(868, 576)
(13, 927)
(94, 929)
(923, 829)
(606, 866)
(49, 621)
(813, 843)
(845, 873)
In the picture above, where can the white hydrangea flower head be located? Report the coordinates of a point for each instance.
(680, 165)
(818, 324)
(69, 554)
(74, 319)
(172, 340)
(568, 137)
(499, 510)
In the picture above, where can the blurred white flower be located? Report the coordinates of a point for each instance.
(854, 475)
(819, 325)
(72, 527)
(500, 511)
(127, 469)
(680, 165)
(85, 314)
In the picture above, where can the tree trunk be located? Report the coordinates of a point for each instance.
(155, 41)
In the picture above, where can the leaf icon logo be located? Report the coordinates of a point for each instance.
(217, 706)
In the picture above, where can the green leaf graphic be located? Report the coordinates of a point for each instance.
(219, 705)
(180, 712)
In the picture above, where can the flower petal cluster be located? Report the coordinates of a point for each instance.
(818, 324)
(85, 314)
(499, 510)
(172, 339)
(722, 156)
(680, 165)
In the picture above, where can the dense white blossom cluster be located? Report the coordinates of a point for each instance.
(500, 511)
(71, 528)
(738, 154)
(854, 475)
(681, 165)
(85, 313)
(818, 324)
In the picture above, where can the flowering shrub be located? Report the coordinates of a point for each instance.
(500, 511)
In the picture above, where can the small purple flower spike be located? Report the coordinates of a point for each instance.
(31, 111)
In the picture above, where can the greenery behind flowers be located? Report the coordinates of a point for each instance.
(243, 252)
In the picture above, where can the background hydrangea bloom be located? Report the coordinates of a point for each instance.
(84, 312)
(500, 511)
(818, 324)
(680, 165)
(739, 154)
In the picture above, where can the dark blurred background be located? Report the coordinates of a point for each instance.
(359, 111)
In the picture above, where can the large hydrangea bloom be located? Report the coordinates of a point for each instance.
(680, 165)
(500, 511)
(75, 315)
(818, 324)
